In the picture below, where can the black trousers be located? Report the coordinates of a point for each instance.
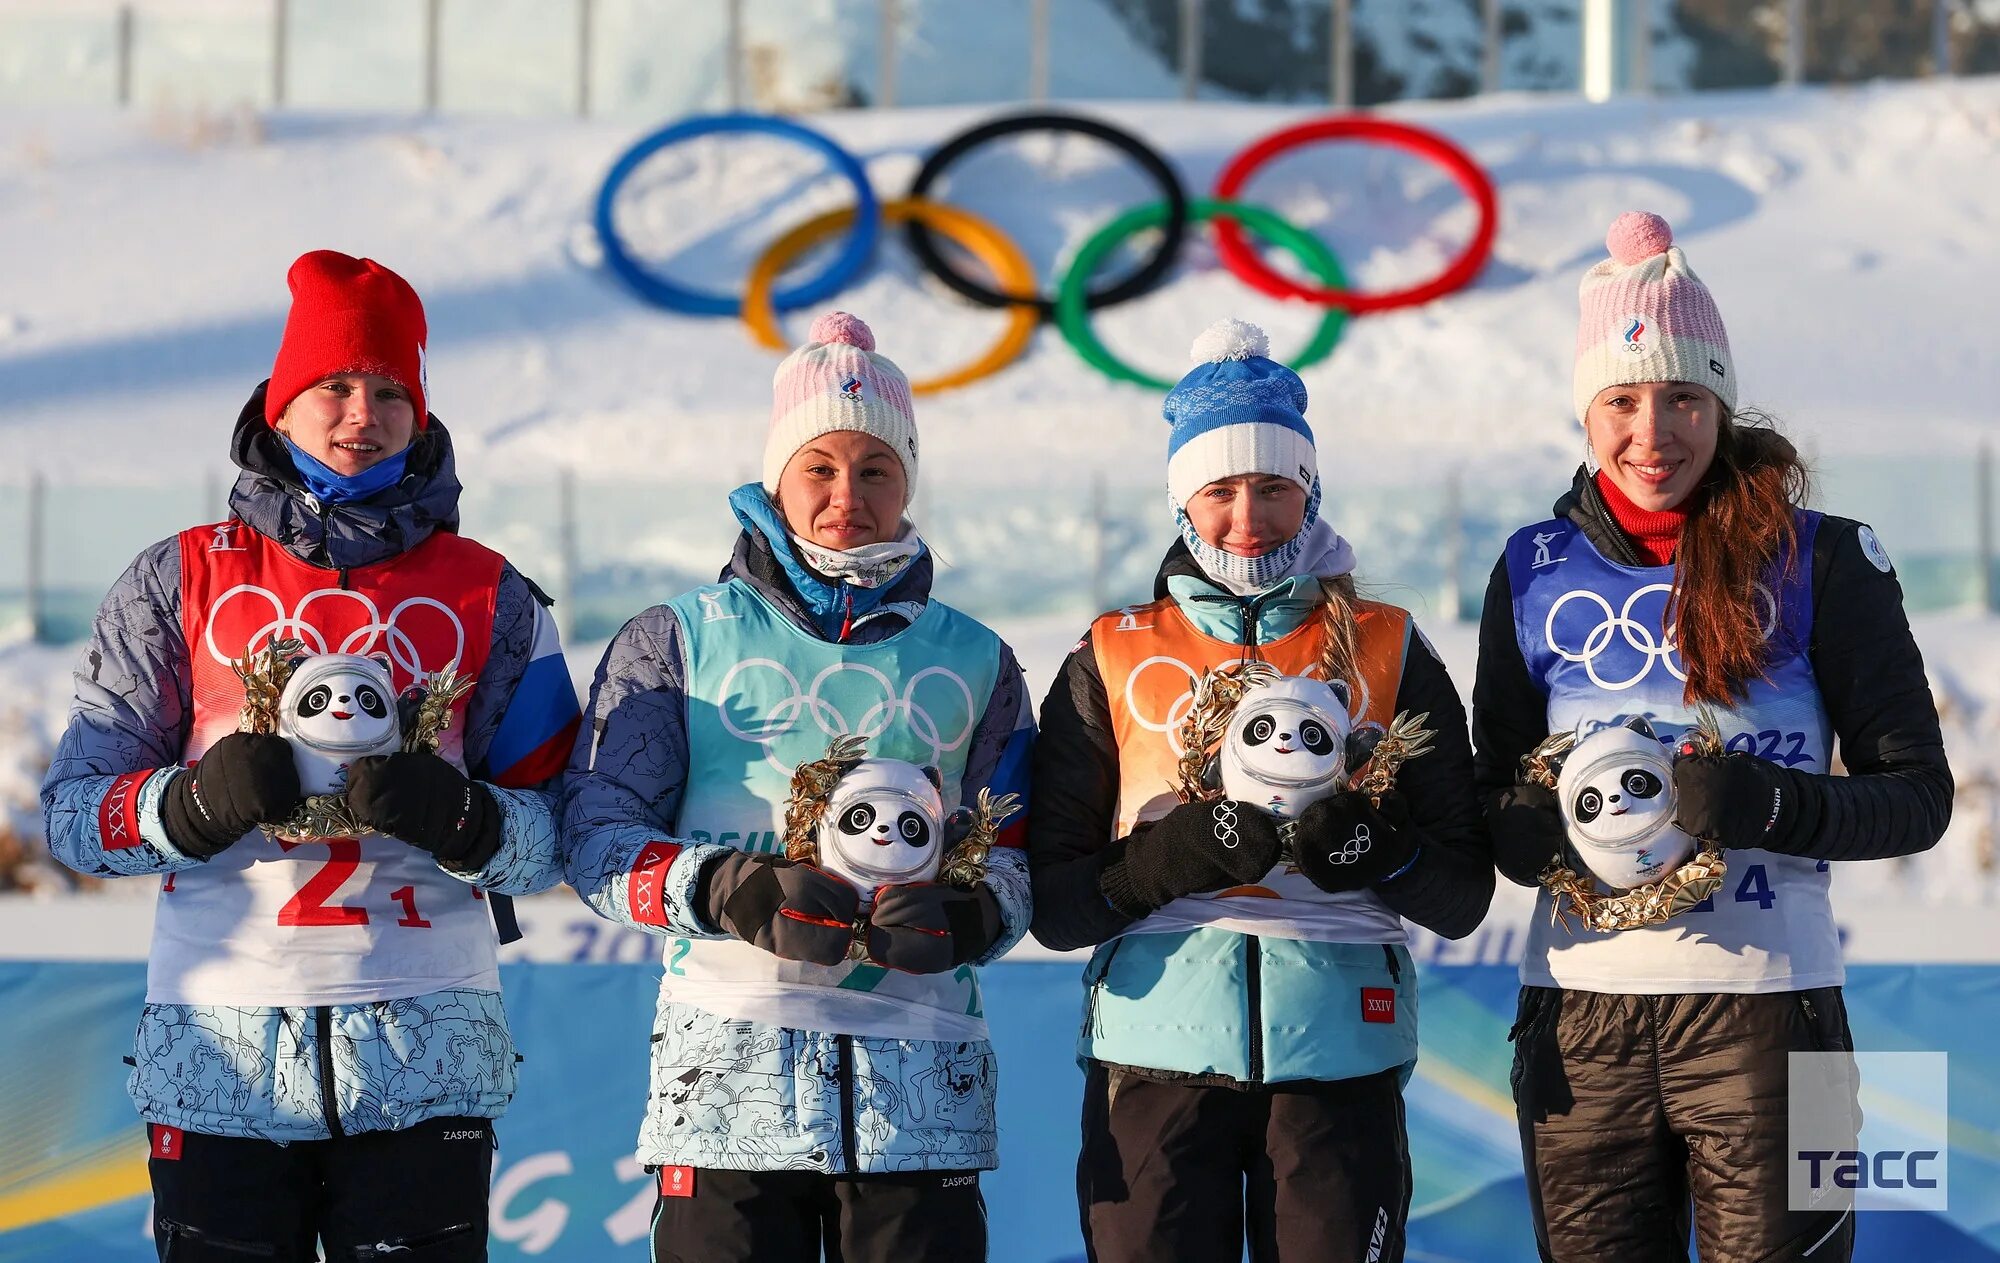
(1640, 1111)
(1307, 1172)
(804, 1216)
(415, 1196)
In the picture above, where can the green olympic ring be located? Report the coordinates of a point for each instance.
(1073, 314)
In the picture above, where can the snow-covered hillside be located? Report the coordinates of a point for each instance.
(1848, 235)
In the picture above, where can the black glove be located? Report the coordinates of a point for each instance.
(1345, 842)
(1734, 800)
(790, 910)
(928, 927)
(1194, 848)
(423, 800)
(1528, 831)
(244, 780)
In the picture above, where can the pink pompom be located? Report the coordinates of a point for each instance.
(840, 326)
(1637, 236)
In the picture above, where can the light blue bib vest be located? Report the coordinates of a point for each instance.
(764, 696)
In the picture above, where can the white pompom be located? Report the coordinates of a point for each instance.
(1229, 339)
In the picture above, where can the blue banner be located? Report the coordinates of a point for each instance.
(73, 1158)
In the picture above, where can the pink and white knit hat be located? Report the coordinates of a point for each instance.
(836, 381)
(1648, 318)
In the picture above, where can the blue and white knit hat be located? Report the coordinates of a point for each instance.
(1238, 412)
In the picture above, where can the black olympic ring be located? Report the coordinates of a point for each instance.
(1148, 275)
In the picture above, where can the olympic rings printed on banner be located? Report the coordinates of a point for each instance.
(988, 244)
(844, 268)
(1017, 292)
(1142, 281)
(377, 633)
(1072, 309)
(778, 719)
(1238, 256)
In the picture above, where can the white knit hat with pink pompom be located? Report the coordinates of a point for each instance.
(1648, 318)
(834, 382)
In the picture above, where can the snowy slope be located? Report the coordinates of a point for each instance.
(1846, 234)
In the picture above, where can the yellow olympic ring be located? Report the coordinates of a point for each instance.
(1002, 258)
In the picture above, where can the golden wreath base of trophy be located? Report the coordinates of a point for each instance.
(1578, 896)
(264, 673)
(812, 793)
(1216, 696)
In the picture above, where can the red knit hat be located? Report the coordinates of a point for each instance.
(348, 316)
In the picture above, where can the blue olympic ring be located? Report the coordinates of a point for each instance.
(652, 287)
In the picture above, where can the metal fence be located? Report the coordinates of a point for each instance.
(607, 549)
(654, 58)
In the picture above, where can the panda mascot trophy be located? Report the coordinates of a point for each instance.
(334, 708)
(1283, 742)
(882, 822)
(1625, 863)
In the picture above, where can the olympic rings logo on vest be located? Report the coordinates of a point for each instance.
(1177, 709)
(1009, 285)
(1643, 646)
(749, 712)
(420, 634)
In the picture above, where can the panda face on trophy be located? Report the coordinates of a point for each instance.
(336, 708)
(884, 825)
(1286, 745)
(1617, 799)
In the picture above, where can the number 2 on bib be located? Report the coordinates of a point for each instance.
(309, 906)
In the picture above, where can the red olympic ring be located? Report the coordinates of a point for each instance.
(1241, 258)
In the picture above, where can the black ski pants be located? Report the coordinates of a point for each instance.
(1639, 1111)
(1306, 1172)
(714, 1216)
(416, 1196)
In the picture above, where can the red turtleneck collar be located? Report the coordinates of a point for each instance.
(1655, 535)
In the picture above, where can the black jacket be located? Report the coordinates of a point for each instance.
(1076, 802)
(1896, 797)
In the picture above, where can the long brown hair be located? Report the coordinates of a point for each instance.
(1741, 535)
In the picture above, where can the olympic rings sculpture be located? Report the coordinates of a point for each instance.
(1011, 285)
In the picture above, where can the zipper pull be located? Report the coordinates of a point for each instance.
(1395, 970)
(847, 623)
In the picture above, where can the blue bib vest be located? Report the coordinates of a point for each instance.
(1592, 634)
(764, 696)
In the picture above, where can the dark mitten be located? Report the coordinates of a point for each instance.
(1345, 842)
(1194, 848)
(1734, 800)
(244, 780)
(790, 910)
(927, 928)
(423, 800)
(1528, 831)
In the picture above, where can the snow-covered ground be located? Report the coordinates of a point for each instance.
(1848, 235)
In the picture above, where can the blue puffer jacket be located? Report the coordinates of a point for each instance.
(256, 1071)
(749, 1095)
(1215, 1004)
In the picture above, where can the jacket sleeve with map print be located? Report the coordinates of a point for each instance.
(622, 793)
(134, 708)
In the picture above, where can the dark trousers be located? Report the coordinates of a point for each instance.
(803, 1216)
(415, 1196)
(1308, 1172)
(1638, 1112)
